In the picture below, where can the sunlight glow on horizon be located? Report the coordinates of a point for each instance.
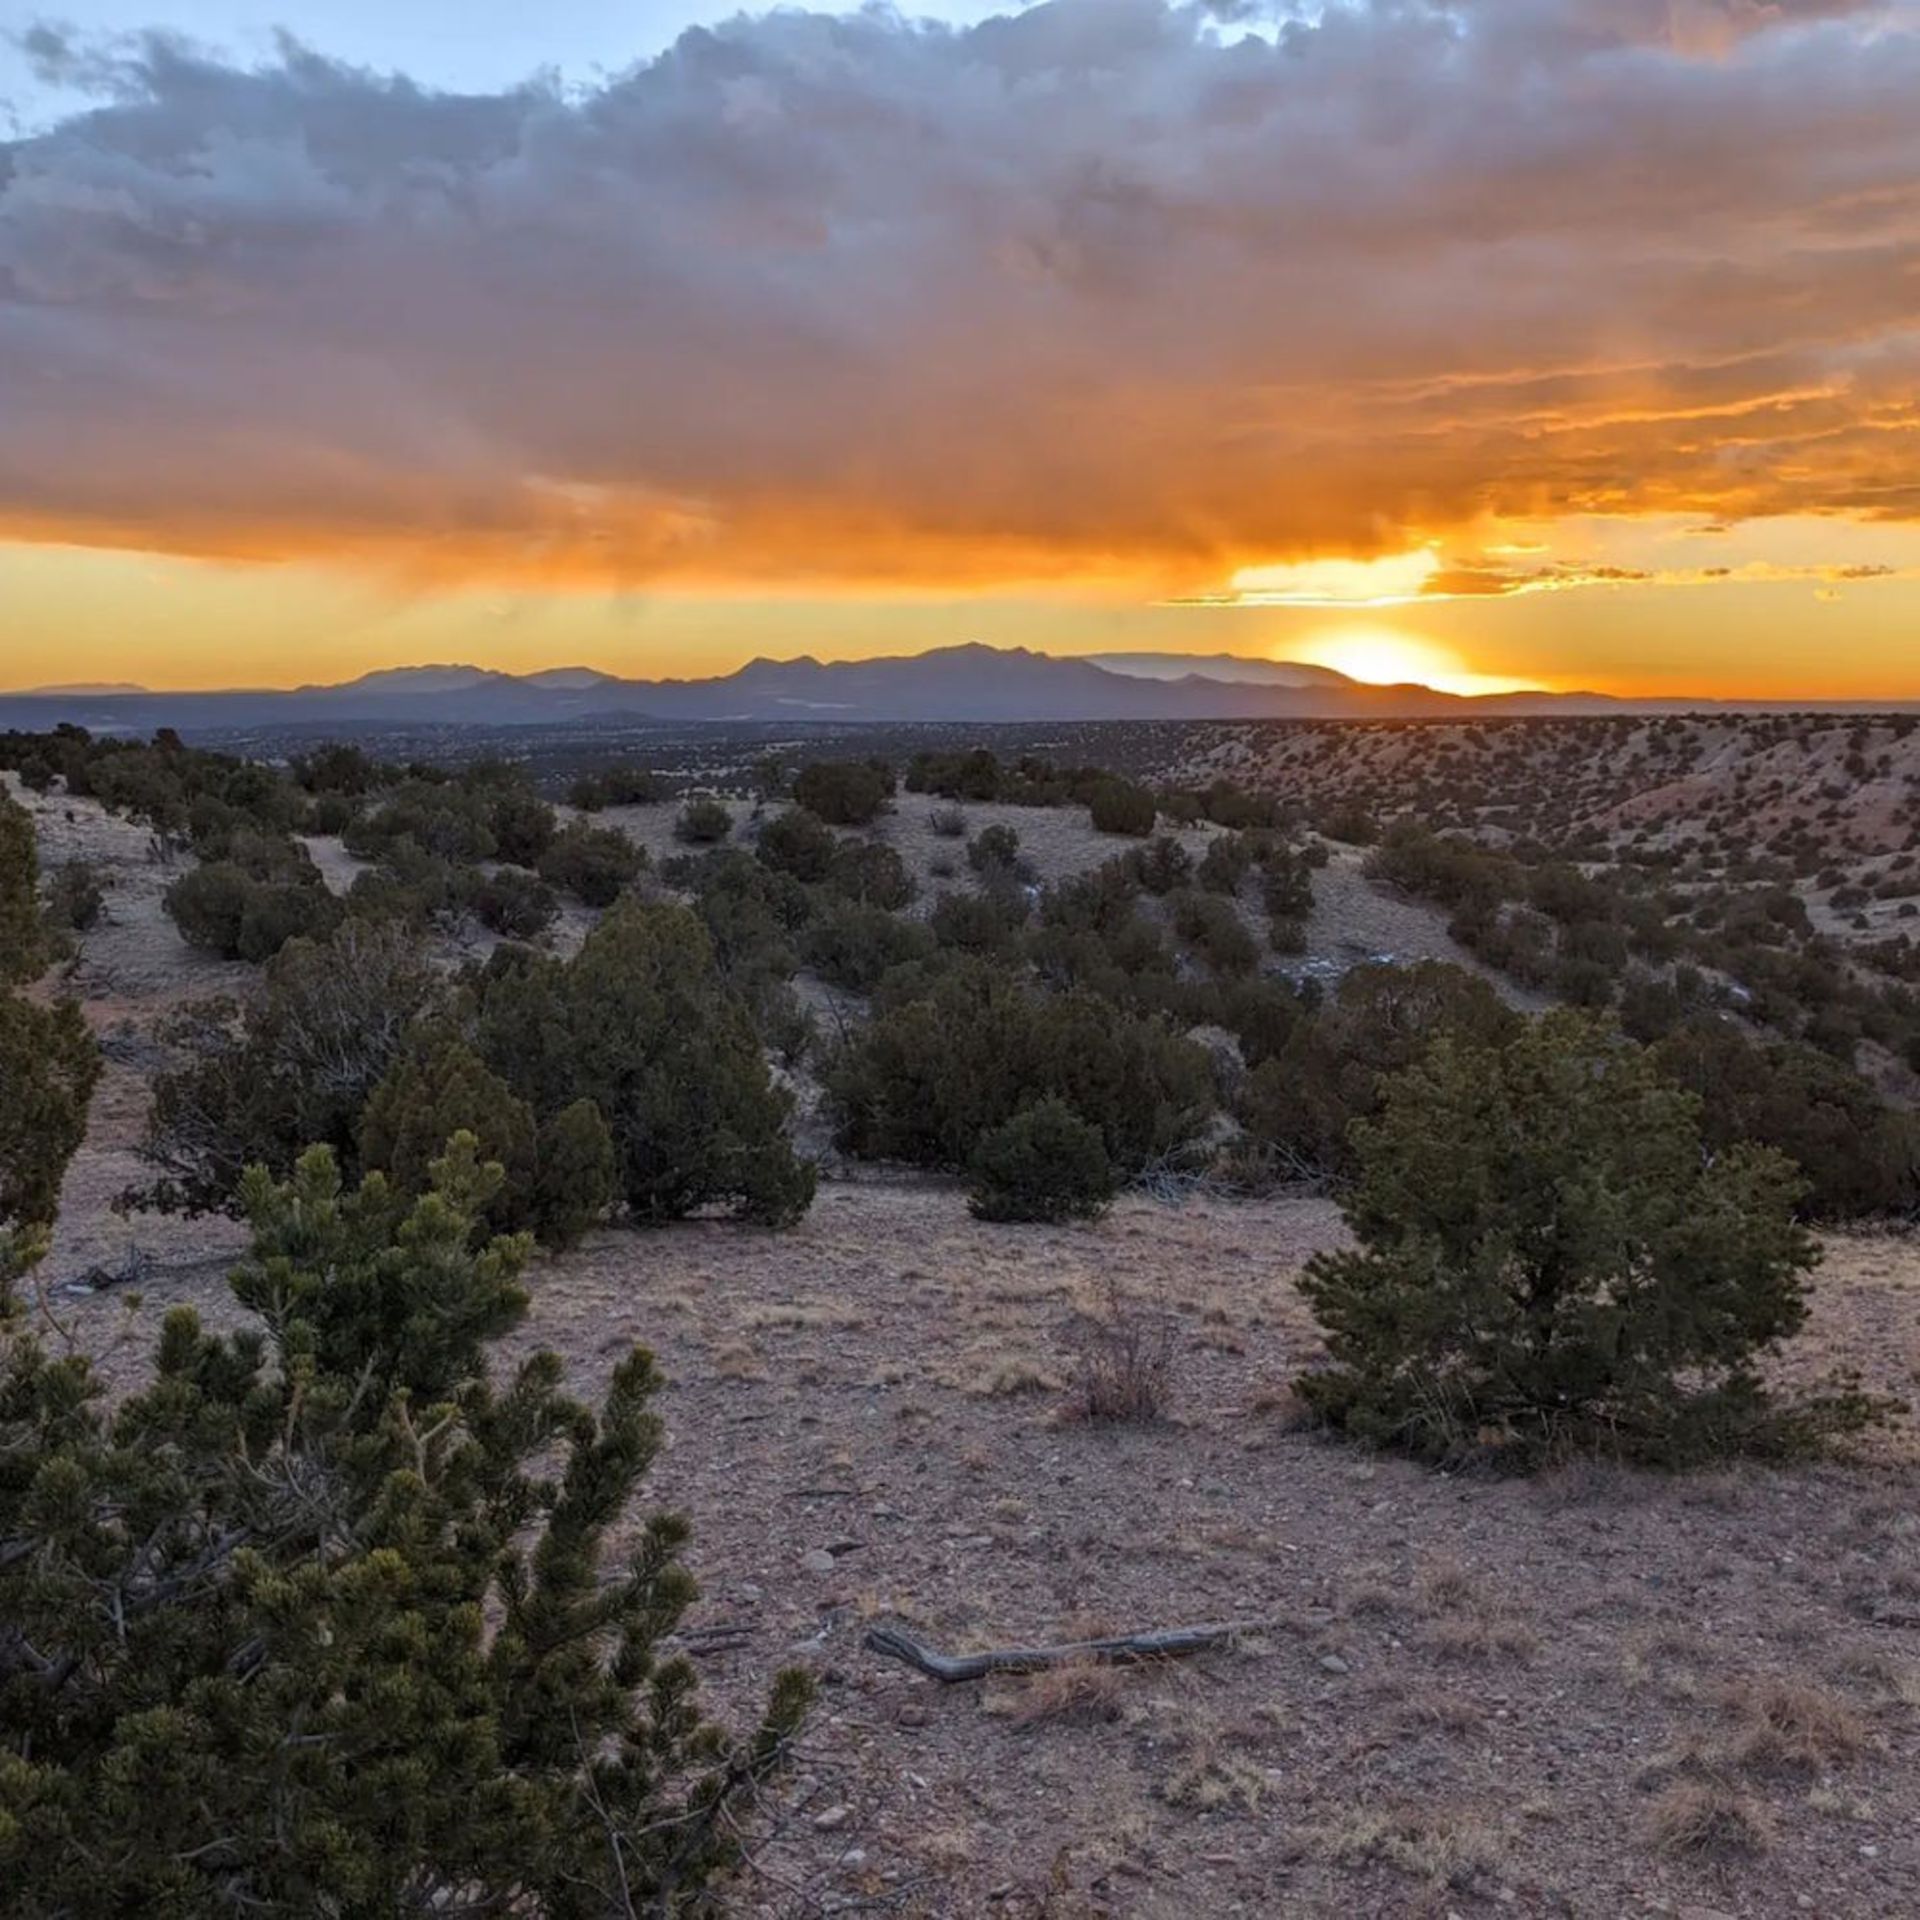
(1384, 656)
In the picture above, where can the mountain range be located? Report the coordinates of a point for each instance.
(947, 684)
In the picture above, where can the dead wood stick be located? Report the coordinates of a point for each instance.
(1126, 1649)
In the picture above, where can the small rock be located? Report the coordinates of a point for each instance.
(1332, 1663)
(831, 1818)
(817, 1560)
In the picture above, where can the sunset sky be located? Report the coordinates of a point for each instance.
(1487, 342)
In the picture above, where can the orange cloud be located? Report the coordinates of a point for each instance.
(1097, 293)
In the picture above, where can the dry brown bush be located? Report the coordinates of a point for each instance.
(1123, 1364)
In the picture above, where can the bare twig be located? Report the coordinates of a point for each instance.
(1128, 1649)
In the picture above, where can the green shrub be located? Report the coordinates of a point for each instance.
(22, 937)
(1548, 1259)
(1162, 865)
(1131, 965)
(439, 1087)
(1286, 885)
(576, 1174)
(1860, 1156)
(751, 913)
(975, 774)
(515, 905)
(703, 822)
(1286, 935)
(330, 1617)
(1227, 804)
(993, 849)
(871, 872)
(450, 821)
(1211, 924)
(845, 793)
(925, 1078)
(337, 767)
(594, 864)
(1119, 806)
(331, 814)
(224, 910)
(851, 946)
(1046, 1163)
(1302, 1102)
(616, 787)
(413, 887)
(984, 921)
(49, 1067)
(799, 844)
(1228, 860)
(1102, 901)
(295, 1066)
(523, 826)
(641, 1023)
(75, 899)
(1351, 824)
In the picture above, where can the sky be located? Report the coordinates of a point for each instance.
(1571, 343)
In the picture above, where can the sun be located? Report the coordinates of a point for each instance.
(1385, 656)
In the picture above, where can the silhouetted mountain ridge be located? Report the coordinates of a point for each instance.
(965, 683)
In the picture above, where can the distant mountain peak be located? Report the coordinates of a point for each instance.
(446, 678)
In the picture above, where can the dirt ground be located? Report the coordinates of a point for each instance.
(1601, 1693)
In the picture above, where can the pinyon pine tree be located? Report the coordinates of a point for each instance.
(1547, 1258)
(323, 1620)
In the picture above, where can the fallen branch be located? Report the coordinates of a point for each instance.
(1127, 1649)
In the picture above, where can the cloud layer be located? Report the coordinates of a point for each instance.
(1105, 288)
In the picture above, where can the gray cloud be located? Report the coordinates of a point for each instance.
(1102, 285)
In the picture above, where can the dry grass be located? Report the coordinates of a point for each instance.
(1889, 1683)
(1081, 1693)
(1785, 1726)
(1708, 1818)
(1437, 1710)
(1213, 1779)
(1443, 1847)
(1469, 1623)
(1667, 1660)
(737, 1360)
